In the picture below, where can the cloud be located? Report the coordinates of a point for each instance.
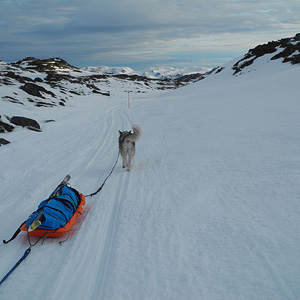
(138, 32)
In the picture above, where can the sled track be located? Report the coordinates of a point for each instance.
(96, 241)
(111, 239)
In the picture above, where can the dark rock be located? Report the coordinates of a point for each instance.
(295, 59)
(25, 122)
(96, 92)
(12, 100)
(101, 93)
(5, 126)
(287, 53)
(35, 90)
(131, 77)
(33, 128)
(93, 87)
(4, 142)
(53, 76)
(261, 50)
(219, 70)
(43, 104)
(11, 75)
(98, 77)
(189, 78)
(19, 78)
(6, 81)
(75, 93)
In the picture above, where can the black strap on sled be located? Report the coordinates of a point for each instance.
(15, 234)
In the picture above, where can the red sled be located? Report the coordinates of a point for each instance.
(59, 232)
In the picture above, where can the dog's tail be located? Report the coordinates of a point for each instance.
(136, 133)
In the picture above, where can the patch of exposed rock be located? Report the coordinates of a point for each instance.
(289, 51)
(35, 90)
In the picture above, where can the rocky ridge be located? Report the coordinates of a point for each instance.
(287, 49)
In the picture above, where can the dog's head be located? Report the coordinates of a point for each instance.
(123, 134)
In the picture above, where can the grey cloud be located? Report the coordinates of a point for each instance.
(98, 28)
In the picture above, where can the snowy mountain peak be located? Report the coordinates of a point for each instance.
(152, 72)
(171, 72)
(105, 70)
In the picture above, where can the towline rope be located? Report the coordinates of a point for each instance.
(100, 188)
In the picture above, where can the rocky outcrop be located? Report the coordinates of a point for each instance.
(21, 79)
(35, 90)
(4, 125)
(8, 124)
(288, 48)
(3, 142)
(26, 122)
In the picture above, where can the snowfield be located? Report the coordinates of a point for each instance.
(209, 211)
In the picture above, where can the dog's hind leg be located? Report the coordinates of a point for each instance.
(124, 159)
(130, 157)
(129, 163)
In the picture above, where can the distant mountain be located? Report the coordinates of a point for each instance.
(153, 73)
(104, 70)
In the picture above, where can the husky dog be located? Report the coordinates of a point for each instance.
(127, 141)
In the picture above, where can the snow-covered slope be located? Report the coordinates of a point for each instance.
(209, 211)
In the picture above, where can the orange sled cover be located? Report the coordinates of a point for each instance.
(56, 233)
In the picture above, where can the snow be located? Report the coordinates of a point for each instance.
(209, 211)
(110, 70)
(152, 72)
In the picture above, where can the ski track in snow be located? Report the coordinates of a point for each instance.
(209, 211)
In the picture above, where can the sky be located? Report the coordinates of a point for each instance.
(142, 33)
